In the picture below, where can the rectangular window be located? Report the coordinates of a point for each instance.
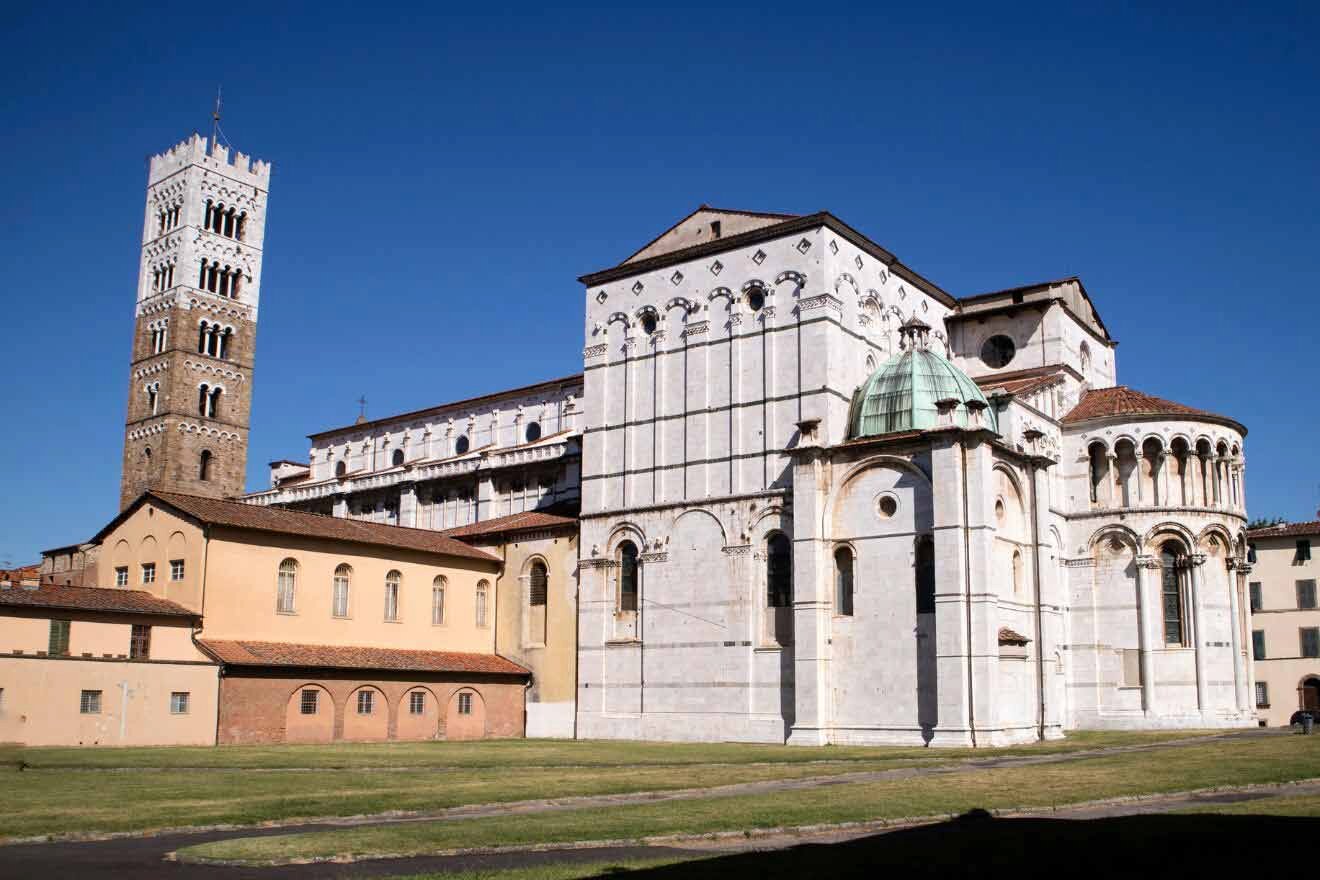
(391, 601)
(437, 605)
(59, 638)
(416, 703)
(1257, 600)
(1262, 695)
(1310, 641)
(148, 572)
(1173, 606)
(139, 643)
(465, 703)
(341, 597)
(121, 576)
(179, 702)
(90, 703)
(176, 569)
(1303, 551)
(366, 702)
(1306, 594)
(1258, 644)
(1251, 553)
(307, 704)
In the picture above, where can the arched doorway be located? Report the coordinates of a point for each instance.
(466, 715)
(1309, 693)
(309, 715)
(419, 715)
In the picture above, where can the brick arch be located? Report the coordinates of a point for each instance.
(422, 726)
(371, 727)
(316, 727)
(471, 726)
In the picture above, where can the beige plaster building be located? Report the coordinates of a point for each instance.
(1285, 620)
(88, 666)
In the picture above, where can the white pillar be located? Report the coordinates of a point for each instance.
(1234, 610)
(1197, 560)
(1146, 632)
(408, 505)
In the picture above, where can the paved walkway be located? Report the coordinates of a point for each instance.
(132, 857)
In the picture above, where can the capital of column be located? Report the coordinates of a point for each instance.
(1195, 560)
(1148, 562)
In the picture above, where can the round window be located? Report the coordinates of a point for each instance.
(887, 506)
(756, 299)
(998, 351)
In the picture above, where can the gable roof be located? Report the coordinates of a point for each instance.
(1287, 530)
(1022, 381)
(1120, 400)
(245, 653)
(790, 226)
(277, 520)
(981, 304)
(91, 599)
(531, 520)
(749, 220)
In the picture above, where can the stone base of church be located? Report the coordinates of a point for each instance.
(550, 720)
(1188, 721)
(683, 727)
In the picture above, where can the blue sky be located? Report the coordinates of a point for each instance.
(442, 177)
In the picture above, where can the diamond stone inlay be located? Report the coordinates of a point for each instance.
(803, 246)
(638, 287)
(759, 257)
(716, 267)
(676, 278)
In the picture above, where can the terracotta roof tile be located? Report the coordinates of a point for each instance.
(311, 525)
(1287, 530)
(1123, 401)
(518, 522)
(244, 653)
(20, 574)
(1024, 385)
(91, 599)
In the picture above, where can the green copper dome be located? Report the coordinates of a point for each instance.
(901, 395)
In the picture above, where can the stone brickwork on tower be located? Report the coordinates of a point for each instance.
(194, 335)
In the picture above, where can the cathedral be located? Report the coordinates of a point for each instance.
(798, 493)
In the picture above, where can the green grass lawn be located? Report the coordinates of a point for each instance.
(1303, 806)
(1213, 763)
(73, 791)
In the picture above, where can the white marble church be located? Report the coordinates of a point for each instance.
(822, 501)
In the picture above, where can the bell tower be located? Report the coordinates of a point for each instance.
(195, 322)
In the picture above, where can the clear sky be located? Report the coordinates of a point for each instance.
(443, 176)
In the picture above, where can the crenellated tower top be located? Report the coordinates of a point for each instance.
(198, 150)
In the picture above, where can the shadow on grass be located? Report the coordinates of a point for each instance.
(980, 846)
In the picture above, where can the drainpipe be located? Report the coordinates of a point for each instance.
(967, 577)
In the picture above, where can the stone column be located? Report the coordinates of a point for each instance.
(811, 597)
(1111, 480)
(1147, 621)
(1235, 578)
(1195, 561)
(408, 505)
(1162, 461)
(340, 508)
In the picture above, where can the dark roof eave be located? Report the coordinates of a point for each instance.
(765, 233)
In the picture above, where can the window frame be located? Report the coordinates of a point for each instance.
(1303, 553)
(844, 581)
(627, 588)
(58, 645)
(343, 576)
(438, 587)
(1255, 596)
(1305, 588)
(121, 575)
(1172, 598)
(366, 701)
(148, 573)
(1258, 651)
(180, 702)
(465, 702)
(417, 702)
(393, 580)
(481, 602)
(89, 702)
(178, 569)
(309, 697)
(286, 586)
(1262, 695)
(1311, 634)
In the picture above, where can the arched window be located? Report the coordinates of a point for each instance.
(482, 590)
(213, 409)
(343, 582)
(779, 571)
(1084, 354)
(222, 347)
(1171, 594)
(925, 575)
(1017, 572)
(843, 582)
(203, 398)
(438, 600)
(649, 323)
(146, 454)
(341, 468)
(392, 581)
(396, 460)
(1099, 473)
(153, 397)
(538, 588)
(756, 298)
(533, 432)
(627, 586)
(461, 444)
(204, 466)
(286, 587)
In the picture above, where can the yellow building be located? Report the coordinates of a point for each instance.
(88, 666)
(320, 628)
(1285, 620)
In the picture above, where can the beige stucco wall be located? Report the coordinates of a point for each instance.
(97, 634)
(1284, 668)
(241, 578)
(552, 659)
(153, 534)
(40, 702)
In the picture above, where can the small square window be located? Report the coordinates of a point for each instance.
(465, 703)
(148, 572)
(179, 701)
(90, 703)
(176, 569)
(307, 705)
(1262, 695)
(416, 703)
(366, 702)
(121, 576)
(1303, 551)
